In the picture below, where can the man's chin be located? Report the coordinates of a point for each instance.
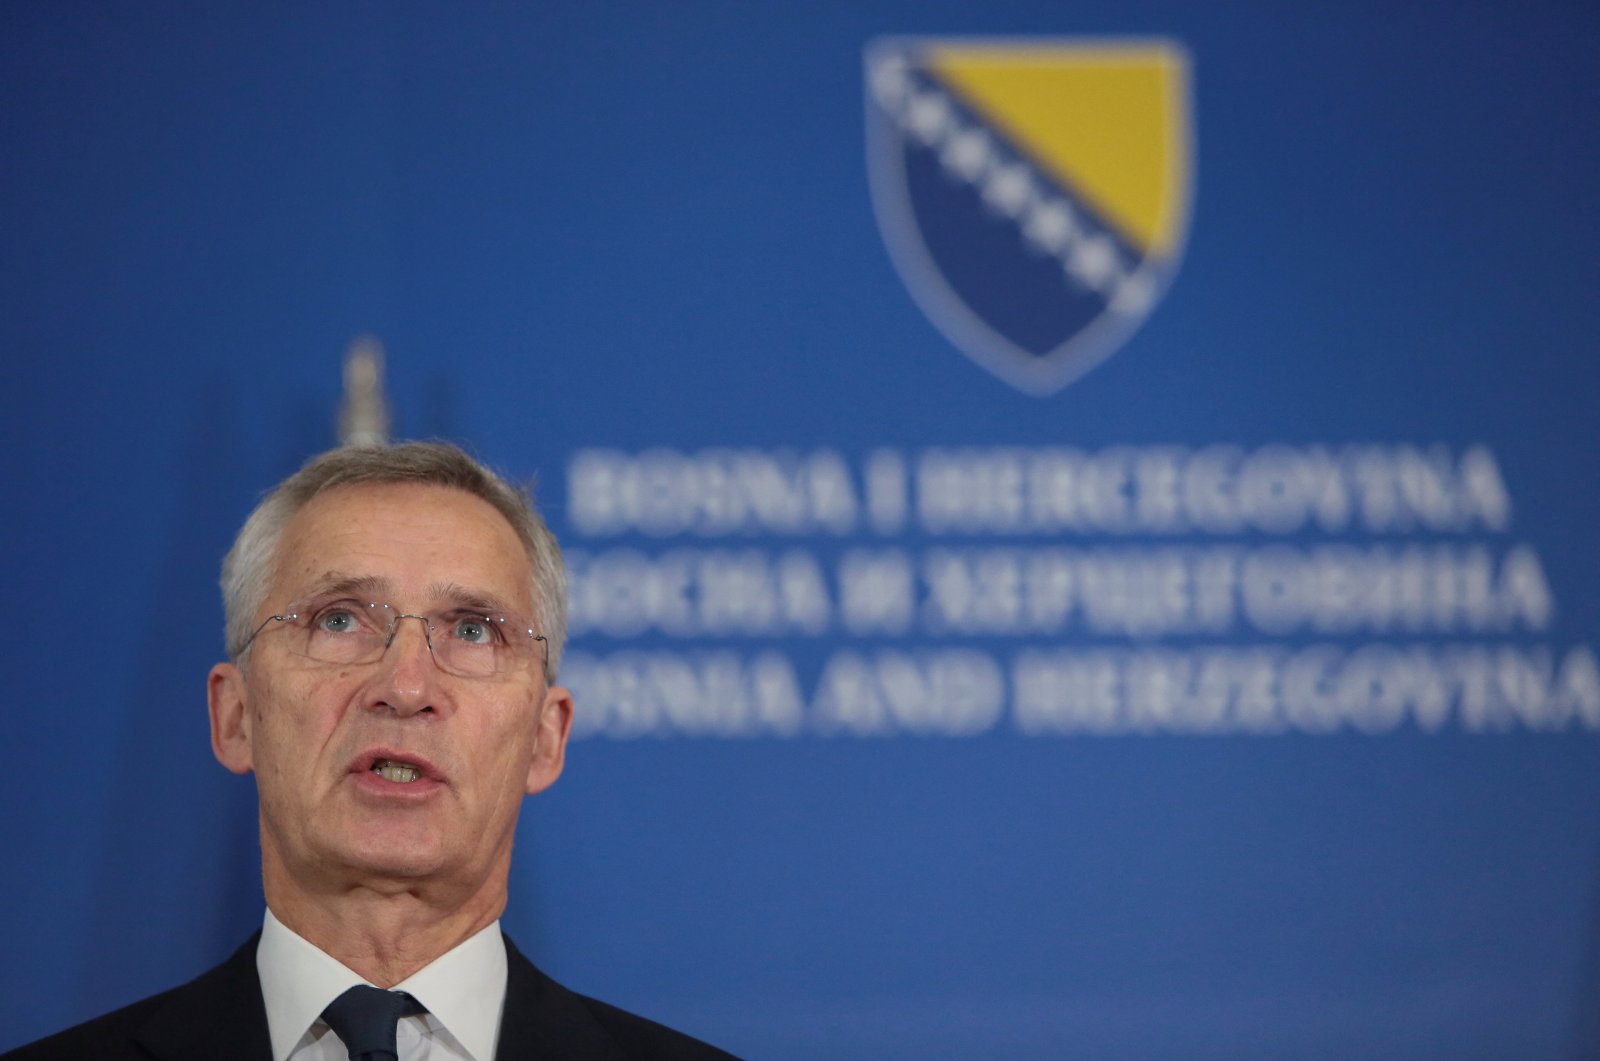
(397, 859)
(406, 852)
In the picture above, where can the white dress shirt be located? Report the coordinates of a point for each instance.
(464, 990)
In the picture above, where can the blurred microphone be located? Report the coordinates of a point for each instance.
(364, 415)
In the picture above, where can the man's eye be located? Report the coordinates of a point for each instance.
(336, 621)
(475, 631)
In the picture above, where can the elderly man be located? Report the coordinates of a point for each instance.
(395, 620)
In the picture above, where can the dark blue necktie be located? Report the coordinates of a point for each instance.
(365, 1017)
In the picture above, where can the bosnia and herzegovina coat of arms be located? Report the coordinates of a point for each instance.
(1034, 194)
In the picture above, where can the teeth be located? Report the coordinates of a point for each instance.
(390, 770)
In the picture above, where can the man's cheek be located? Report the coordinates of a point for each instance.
(266, 748)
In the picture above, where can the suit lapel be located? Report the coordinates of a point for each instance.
(542, 1019)
(218, 1015)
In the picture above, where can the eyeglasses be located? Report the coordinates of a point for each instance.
(463, 641)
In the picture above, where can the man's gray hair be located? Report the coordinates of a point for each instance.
(248, 569)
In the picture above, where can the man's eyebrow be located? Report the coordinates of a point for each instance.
(376, 587)
(332, 582)
(462, 597)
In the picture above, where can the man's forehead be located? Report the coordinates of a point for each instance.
(386, 538)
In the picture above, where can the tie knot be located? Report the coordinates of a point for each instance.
(364, 1018)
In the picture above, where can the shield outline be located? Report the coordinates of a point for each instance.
(1037, 374)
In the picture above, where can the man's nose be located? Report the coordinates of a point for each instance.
(406, 680)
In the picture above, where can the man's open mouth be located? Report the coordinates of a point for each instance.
(394, 770)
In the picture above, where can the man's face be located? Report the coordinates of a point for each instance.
(312, 731)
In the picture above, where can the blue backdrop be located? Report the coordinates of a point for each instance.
(1236, 699)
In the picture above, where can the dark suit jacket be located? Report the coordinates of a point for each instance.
(220, 1017)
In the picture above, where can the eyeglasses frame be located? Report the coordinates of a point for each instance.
(294, 613)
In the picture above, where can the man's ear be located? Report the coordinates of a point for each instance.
(230, 717)
(550, 740)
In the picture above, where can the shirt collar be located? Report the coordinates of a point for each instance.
(464, 989)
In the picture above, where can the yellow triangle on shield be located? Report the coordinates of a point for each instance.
(1111, 120)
